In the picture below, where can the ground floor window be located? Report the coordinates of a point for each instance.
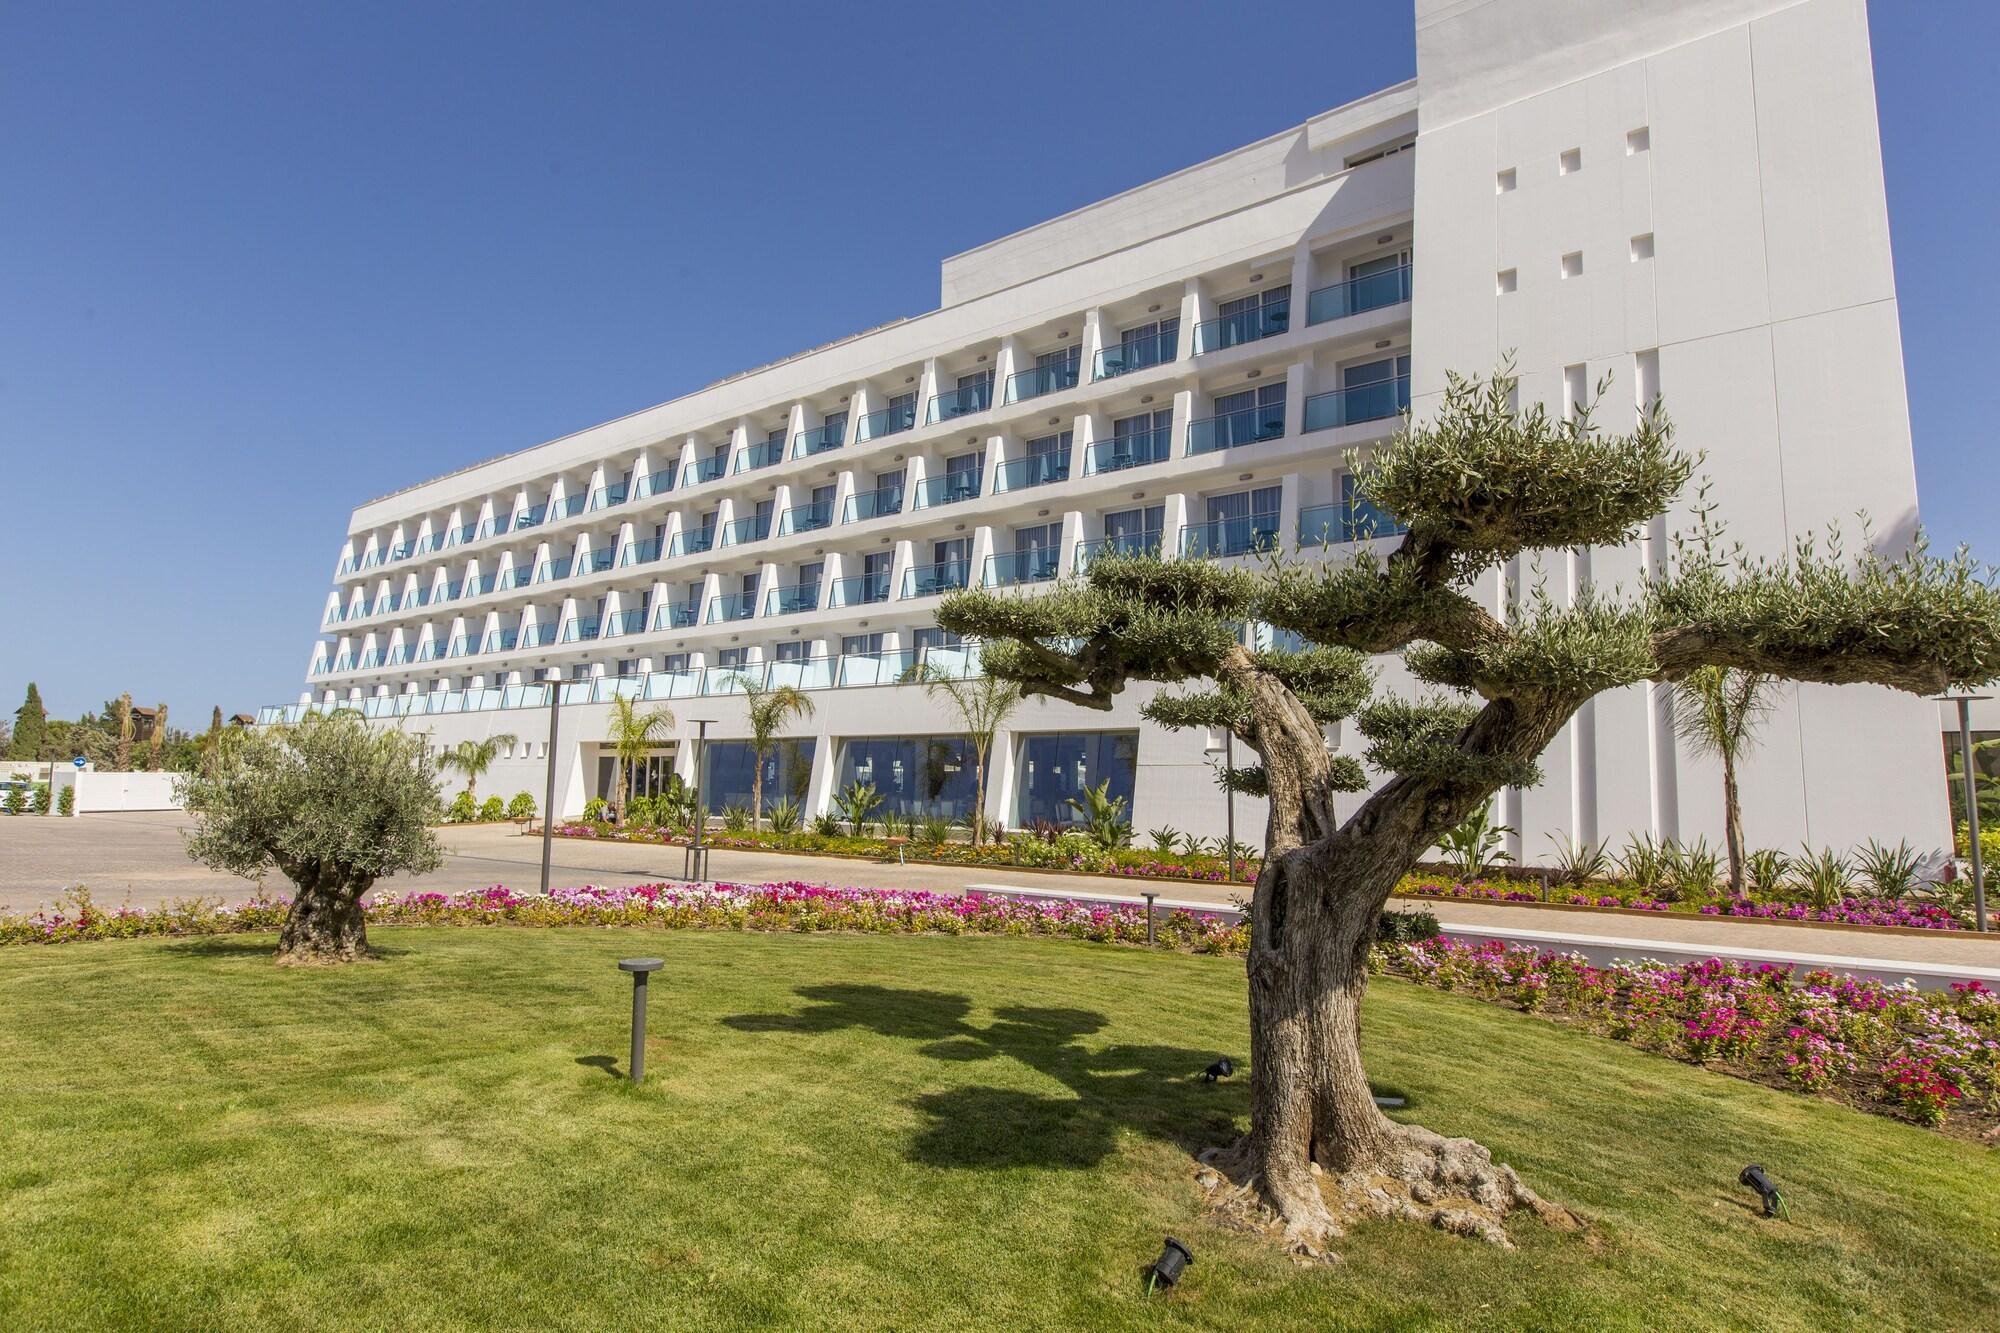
(916, 775)
(1057, 766)
(649, 775)
(731, 768)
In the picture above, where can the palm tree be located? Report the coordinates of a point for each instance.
(1716, 711)
(632, 734)
(770, 707)
(121, 713)
(156, 742)
(983, 705)
(473, 758)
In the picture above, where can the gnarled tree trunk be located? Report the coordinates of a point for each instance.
(327, 923)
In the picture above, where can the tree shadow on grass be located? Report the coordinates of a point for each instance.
(1148, 1089)
(607, 1063)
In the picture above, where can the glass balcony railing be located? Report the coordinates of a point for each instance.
(1348, 521)
(404, 550)
(482, 585)
(1364, 402)
(950, 489)
(864, 505)
(1358, 295)
(538, 636)
(595, 562)
(1125, 357)
(792, 599)
(1121, 452)
(1232, 430)
(606, 496)
(677, 616)
(530, 517)
(861, 590)
(732, 606)
(752, 529)
(1230, 536)
(691, 541)
(567, 507)
(463, 536)
(348, 565)
(819, 440)
(1245, 326)
(640, 553)
(765, 453)
(1009, 568)
(703, 469)
(1136, 543)
(1039, 380)
(463, 646)
(655, 483)
(501, 641)
(930, 580)
(626, 622)
(429, 651)
(430, 541)
(519, 576)
(448, 592)
(806, 518)
(1034, 470)
(398, 655)
(551, 570)
(959, 402)
(369, 660)
(579, 629)
(888, 421)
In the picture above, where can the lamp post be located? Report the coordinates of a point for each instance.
(640, 968)
(1965, 702)
(694, 865)
(1228, 795)
(553, 678)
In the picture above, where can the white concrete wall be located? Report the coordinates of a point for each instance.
(104, 793)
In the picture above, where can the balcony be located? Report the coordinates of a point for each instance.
(518, 576)
(766, 453)
(463, 646)
(604, 497)
(950, 489)
(430, 541)
(1054, 378)
(1137, 543)
(448, 592)
(677, 617)
(1220, 537)
(551, 570)
(1379, 401)
(806, 518)
(1008, 569)
(404, 550)
(1034, 470)
(478, 587)
(1126, 451)
(861, 590)
(960, 402)
(580, 629)
(501, 641)
(398, 655)
(1245, 326)
(1359, 295)
(567, 507)
(538, 636)
(640, 553)
(1125, 357)
(930, 580)
(792, 599)
(819, 440)
(491, 527)
(369, 660)
(594, 562)
(1348, 521)
(625, 622)
(530, 517)
(888, 421)
(655, 483)
(703, 469)
(753, 529)
(732, 606)
(1233, 430)
(691, 541)
(864, 505)
(428, 651)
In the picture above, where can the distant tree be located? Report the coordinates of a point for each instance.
(983, 704)
(30, 727)
(633, 734)
(121, 715)
(769, 708)
(156, 740)
(1716, 711)
(333, 806)
(473, 758)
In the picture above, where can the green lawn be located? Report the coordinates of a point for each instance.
(868, 1132)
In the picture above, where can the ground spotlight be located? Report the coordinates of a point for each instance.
(1166, 1269)
(1221, 1069)
(1753, 1176)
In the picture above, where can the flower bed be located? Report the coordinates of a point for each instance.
(1912, 914)
(1929, 1056)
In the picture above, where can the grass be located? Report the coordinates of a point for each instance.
(868, 1132)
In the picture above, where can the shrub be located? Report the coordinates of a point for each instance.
(826, 825)
(1924, 1093)
(857, 803)
(1890, 872)
(492, 810)
(736, 818)
(38, 802)
(1579, 863)
(1767, 870)
(935, 830)
(66, 802)
(462, 809)
(1104, 816)
(1822, 876)
(593, 810)
(1474, 846)
(1164, 839)
(521, 807)
(1403, 926)
(17, 801)
(785, 815)
(1643, 862)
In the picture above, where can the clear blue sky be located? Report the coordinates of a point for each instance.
(260, 263)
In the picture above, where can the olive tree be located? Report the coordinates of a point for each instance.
(333, 806)
(1478, 484)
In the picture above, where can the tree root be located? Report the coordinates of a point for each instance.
(1419, 1176)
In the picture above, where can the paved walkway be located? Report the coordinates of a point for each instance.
(138, 858)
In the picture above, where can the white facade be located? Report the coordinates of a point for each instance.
(1685, 196)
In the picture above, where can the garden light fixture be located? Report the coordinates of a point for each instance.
(640, 968)
(1218, 1071)
(1753, 1176)
(1166, 1269)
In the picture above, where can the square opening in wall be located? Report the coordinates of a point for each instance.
(1504, 182)
(1572, 264)
(1504, 282)
(1638, 141)
(1642, 246)
(1570, 162)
